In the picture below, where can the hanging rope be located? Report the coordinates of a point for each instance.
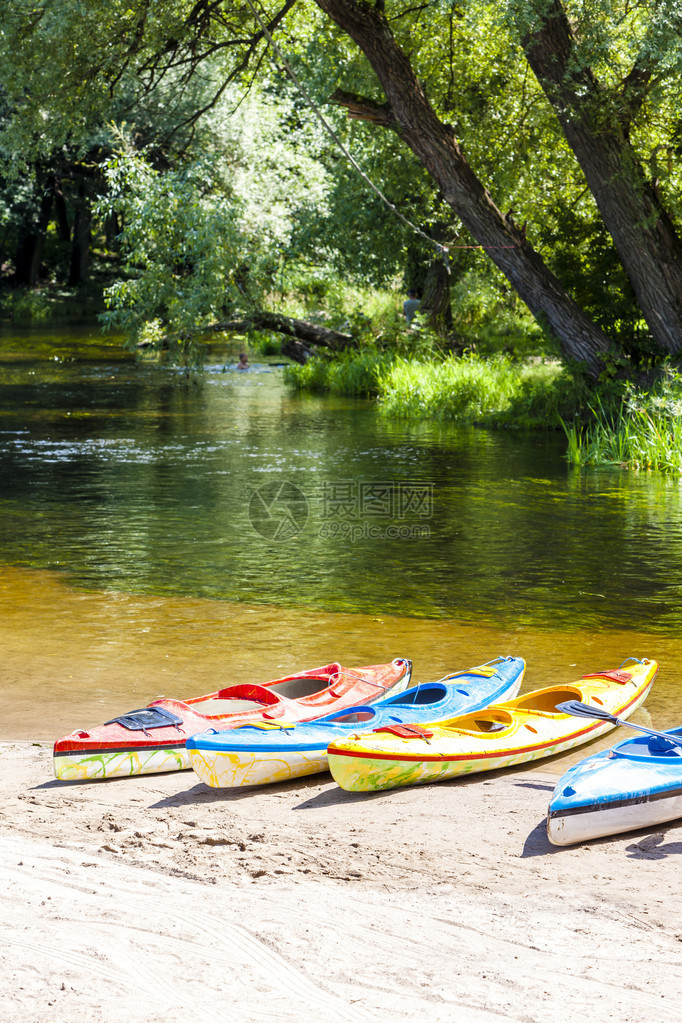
(484, 246)
(441, 249)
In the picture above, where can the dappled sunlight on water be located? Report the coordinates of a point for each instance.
(128, 478)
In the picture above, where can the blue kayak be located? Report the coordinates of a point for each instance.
(262, 752)
(636, 784)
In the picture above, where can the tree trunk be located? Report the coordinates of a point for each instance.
(31, 242)
(304, 336)
(597, 131)
(112, 230)
(79, 270)
(436, 147)
(436, 305)
(28, 254)
(61, 215)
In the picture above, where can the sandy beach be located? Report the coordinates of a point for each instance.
(156, 898)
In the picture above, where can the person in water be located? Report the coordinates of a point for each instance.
(243, 361)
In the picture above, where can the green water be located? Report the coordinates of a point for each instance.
(121, 475)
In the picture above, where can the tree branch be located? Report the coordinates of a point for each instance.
(306, 336)
(362, 109)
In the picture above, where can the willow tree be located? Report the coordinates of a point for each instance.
(68, 72)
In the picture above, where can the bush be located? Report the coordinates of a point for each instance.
(25, 306)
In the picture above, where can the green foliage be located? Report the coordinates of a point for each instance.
(256, 179)
(638, 429)
(586, 261)
(187, 262)
(487, 392)
(478, 80)
(24, 306)
(490, 318)
(265, 157)
(264, 342)
(69, 67)
(355, 374)
(317, 293)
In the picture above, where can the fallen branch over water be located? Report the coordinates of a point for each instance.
(304, 336)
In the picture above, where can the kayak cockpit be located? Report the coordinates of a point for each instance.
(485, 722)
(544, 701)
(649, 748)
(352, 716)
(421, 696)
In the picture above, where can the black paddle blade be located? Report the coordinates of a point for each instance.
(584, 710)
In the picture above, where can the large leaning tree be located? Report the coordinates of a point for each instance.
(596, 117)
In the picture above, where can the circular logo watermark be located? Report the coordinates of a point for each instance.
(278, 511)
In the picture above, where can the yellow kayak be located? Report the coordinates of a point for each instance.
(527, 728)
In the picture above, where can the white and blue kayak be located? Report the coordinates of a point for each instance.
(636, 784)
(264, 752)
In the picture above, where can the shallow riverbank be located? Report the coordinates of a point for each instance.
(150, 898)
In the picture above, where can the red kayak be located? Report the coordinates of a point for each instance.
(152, 740)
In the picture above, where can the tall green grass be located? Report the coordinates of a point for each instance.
(490, 392)
(356, 375)
(468, 389)
(641, 431)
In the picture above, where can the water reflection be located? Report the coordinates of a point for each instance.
(127, 477)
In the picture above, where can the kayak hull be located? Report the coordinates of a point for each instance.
(252, 767)
(259, 753)
(153, 739)
(510, 733)
(634, 785)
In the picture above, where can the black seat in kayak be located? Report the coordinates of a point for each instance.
(145, 718)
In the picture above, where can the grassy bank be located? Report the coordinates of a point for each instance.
(509, 379)
(642, 429)
(356, 375)
(467, 389)
(619, 425)
(471, 389)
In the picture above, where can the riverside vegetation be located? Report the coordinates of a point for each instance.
(188, 173)
(502, 380)
(626, 427)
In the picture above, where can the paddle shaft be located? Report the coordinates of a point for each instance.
(650, 731)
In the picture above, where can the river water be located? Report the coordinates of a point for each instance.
(161, 535)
